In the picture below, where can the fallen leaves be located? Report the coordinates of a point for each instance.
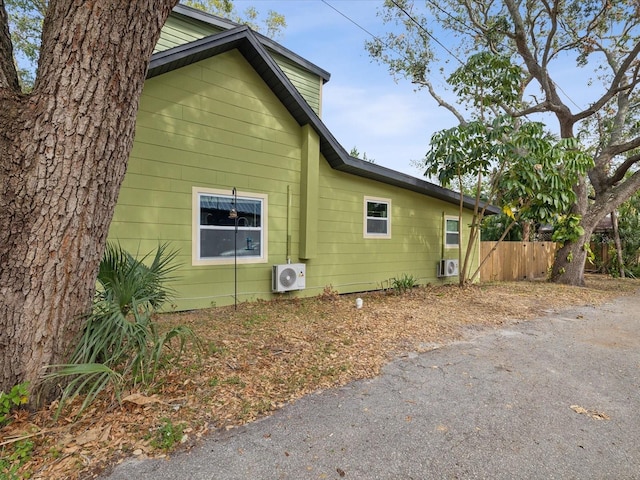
(590, 413)
(142, 400)
(265, 354)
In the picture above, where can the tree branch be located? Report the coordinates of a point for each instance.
(600, 178)
(8, 73)
(443, 103)
(541, 107)
(540, 73)
(553, 16)
(615, 87)
(622, 170)
(617, 149)
(615, 196)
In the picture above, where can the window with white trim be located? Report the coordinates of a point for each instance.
(377, 217)
(229, 227)
(452, 232)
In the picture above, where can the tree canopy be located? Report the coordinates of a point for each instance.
(270, 24)
(526, 47)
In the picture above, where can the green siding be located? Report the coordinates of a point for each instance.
(308, 84)
(349, 262)
(216, 125)
(211, 125)
(309, 193)
(179, 30)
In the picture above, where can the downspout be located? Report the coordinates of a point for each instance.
(444, 234)
(288, 247)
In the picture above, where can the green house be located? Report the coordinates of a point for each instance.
(233, 167)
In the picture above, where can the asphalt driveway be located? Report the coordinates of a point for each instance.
(553, 398)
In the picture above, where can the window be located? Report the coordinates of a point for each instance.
(377, 217)
(452, 232)
(216, 216)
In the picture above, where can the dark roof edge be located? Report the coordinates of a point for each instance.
(204, 17)
(270, 44)
(182, 55)
(246, 41)
(373, 171)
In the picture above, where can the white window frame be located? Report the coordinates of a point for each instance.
(196, 227)
(386, 201)
(446, 221)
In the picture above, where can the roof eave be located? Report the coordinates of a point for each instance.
(379, 173)
(223, 23)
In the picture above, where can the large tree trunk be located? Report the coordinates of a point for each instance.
(63, 155)
(568, 267)
(569, 264)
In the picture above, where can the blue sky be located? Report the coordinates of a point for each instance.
(362, 105)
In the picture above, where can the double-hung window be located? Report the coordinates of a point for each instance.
(452, 232)
(229, 227)
(377, 217)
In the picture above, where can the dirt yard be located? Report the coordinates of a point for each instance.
(259, 357)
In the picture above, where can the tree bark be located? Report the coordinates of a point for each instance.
(616, 239)
(63, 155)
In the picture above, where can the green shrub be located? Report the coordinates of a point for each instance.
(168, 435)
(403, 283)
(18, 395)
(120, 341)
(12, 457)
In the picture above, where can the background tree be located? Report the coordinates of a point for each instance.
(63, 154)
(600, 37)
(26, 17)
(629, 227)
(355, 153)
(25, 20)
(270, 25)
(531, 172)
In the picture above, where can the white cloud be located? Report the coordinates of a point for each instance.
(391, 125)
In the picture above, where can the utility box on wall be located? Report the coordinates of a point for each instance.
(447, 268)
(287, 277)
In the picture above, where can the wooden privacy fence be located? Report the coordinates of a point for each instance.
(516, 260)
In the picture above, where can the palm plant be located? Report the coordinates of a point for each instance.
(120, 341)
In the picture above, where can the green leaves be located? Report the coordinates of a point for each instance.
(17, 396)
(467, 149)
(488, 79)
(271, 25)
(120, 342)
(25, 22)
(532, 172)
(128, 282)
(567, 229)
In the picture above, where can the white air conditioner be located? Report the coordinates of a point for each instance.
(290, 276)
(447, 268)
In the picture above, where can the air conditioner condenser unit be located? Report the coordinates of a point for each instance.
(447, 268)
(287, 277)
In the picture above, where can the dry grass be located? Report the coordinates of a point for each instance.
(265, 354)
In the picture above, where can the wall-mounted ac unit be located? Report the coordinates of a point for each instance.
(447, 268)
(290, 276)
